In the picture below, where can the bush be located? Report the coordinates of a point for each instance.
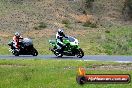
(127, 9)
(67, 23)
(40, 26)
(90, 24)
(88, 3)
(17, 1)
(67, 26)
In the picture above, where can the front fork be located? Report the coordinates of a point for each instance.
(11, 50)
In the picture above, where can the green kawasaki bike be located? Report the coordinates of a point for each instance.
(71, 47)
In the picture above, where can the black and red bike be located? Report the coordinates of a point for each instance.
(25, 48)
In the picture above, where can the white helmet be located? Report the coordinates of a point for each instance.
(60, 31)
(17, 34)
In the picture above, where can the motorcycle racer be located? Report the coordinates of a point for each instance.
(59, 38)
(16, 40)
(70, 47)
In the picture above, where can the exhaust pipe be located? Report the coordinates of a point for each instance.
(51, 49)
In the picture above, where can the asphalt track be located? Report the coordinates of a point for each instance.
(85, 58)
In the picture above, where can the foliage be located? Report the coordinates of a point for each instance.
(40, 26)
(67, 23)
(90, 24)
(127, 9)
(88, 3)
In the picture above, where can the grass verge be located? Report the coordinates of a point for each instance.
(38, 73)
(4, 50)
(111, 41)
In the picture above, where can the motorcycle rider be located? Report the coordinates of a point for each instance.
(16, 40)
(59, 37)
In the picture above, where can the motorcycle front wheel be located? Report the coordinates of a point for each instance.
(34, 52)
(80, 53)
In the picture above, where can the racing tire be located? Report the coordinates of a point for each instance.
(58, 54)
(34, 52)
(80, 53)
(16, 53)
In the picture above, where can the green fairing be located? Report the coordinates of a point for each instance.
(72, 47)
(52, 42)
(65, 41)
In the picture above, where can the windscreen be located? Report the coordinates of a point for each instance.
(71, 39)
(27, 41)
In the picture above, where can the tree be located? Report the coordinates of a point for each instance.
(89, 3)
(127, 9)
(17, 1)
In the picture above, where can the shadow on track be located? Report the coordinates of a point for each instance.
(66, 57)
(38, 57)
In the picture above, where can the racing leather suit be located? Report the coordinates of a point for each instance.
(59, 39)
(16, 41)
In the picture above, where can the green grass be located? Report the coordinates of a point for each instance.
(118, 41)
(4, 49)
(111, 41)
(67, 23)
(42, 45)
(50, 74)
(90, 24)
(40, 26)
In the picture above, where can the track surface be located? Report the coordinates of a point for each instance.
(87, 57)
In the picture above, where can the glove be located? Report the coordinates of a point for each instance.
(66, 36)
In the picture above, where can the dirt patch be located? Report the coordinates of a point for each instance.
(12, 65)
(82, 18)
(122, 67)
(4, 34)
(50, 32)
(126, 66)
(76, 32)
(40, 33)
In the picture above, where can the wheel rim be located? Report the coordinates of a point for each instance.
(16, 53)
(80, 53)
(35, 53)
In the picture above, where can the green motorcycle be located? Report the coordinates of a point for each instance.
(71, 47)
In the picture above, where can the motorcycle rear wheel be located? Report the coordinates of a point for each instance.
(58, 54)
(16, 53)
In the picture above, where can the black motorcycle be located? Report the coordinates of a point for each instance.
(26, 48)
